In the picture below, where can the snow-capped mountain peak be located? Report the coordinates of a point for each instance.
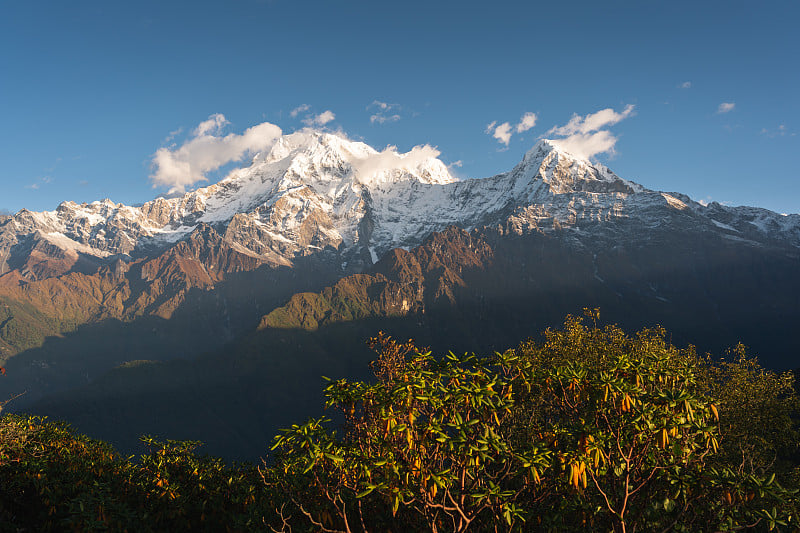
(323, 152)
(564, 172)
(317, 190)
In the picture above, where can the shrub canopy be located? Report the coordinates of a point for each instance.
(592, 429)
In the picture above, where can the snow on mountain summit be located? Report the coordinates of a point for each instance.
(317, 190)
(328, 165)
(566, 173)
(315, 150)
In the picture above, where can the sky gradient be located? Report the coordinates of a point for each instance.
(707, 92)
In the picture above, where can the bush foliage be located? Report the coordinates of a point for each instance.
(591, 429)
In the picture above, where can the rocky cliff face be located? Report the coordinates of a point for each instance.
(402, 283)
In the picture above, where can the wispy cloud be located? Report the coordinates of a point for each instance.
(454, 169)
(383, 106)
(382, 119)
(172, 135)
(38, 182)
(587, 136)
(503, 132)
(685, 85)
(299, 109)
(780, 131)
(725, 107)
(55, 164)
(319, 120)
(384, 112)
(207, 150)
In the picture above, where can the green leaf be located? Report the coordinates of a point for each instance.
(364, 493)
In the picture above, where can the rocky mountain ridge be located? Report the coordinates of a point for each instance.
(318, 191)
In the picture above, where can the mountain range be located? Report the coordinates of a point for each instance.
(212, 315)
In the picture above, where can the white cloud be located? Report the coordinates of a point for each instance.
(312, 120)
(319, 120)
(501, 132)
(206, 151)
(324, 117)
(586, 136)
(592, 122)
(527, 121)
(725, 107)
(299, 109)
(382, 119)
(386, 112)
(458, 164)
(685, 85)
(588, 145)
(390, 158)
(214, 124)
(780, 131)
(383, 106)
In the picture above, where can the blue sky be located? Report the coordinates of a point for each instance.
(704, 95)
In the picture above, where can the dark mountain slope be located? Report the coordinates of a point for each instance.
(197, 296)
(477, 291)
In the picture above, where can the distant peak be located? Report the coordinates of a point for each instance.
(565, 172)
(546, 144)
(314, 141)
(545, 147)
(542, 152)
(322, 151)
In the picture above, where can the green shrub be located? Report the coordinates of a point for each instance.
(55, 480)
(592, 429)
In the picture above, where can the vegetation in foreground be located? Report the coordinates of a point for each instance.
(592, 429)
